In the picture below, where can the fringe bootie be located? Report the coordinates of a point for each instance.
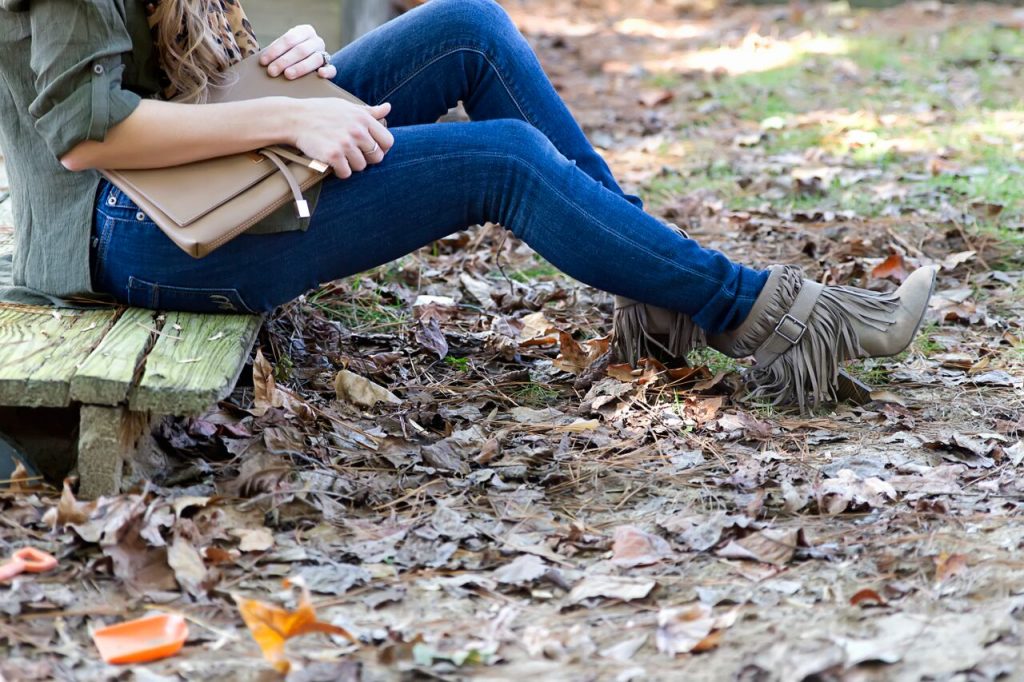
(640, 330)
(799, 333)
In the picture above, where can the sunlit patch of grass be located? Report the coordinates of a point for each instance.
(718, 177)
(795, 139)
(1002, 186)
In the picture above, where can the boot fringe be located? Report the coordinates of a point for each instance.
(808, 373)
(632, 340)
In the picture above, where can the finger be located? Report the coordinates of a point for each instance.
(290, 39)
(300, 60)
(381, 110)
(374, 157)
(356, 159)
(309, 64)
(382, 136)
(342, 169)
(328, 72)
(370, 148)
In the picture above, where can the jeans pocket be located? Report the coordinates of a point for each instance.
(143, 294)
(99, 240)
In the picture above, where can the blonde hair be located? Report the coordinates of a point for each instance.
(199, 61)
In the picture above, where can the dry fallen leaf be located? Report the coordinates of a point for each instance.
(272, 626)
(253, 539)
(867, 596)
(430, 337)
(611, 587)
(949, 565)
(187, 564)
(68, 509)
(691, 629)
(654, 97)
(894, 266)
(263, 383)
(525, 569)
(267, 394)
(350, 387)
(537, 330)
(634, 547)
(20, 480)
(576, 357)
(768, 546)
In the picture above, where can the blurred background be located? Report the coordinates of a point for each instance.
(338, 21)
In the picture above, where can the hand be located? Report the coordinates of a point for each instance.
(297, 53)
(342, 133)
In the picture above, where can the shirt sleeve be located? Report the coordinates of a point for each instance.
(77, 60)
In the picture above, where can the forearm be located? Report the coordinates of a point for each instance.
(160, 134)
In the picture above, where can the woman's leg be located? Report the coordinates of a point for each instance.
(438, 179)
(446, 51)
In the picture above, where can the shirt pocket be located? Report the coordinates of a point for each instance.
(143, 294)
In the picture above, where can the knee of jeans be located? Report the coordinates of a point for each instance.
(476, 19)
(523, 144)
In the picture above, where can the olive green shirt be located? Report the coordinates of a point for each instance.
(70, 70)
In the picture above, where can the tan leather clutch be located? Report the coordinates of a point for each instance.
(204, 204)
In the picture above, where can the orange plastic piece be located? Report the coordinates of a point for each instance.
(142, 639)
(27, 560)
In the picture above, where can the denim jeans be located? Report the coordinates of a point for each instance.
(522, 162)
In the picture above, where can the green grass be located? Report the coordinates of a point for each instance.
(534, 395)
(362, 310)
(539, 271)
(882, 102)
(460, 364)
(713, 360)
(870, 371)
(283, 367)
(924, 343)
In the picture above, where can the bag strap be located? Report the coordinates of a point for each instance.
(300, 202)
(313, 164)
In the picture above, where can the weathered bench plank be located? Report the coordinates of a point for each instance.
(40, 351)
(108, 374)
(195, 362)
(107, 439)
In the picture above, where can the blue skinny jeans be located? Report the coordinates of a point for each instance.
(522, 162)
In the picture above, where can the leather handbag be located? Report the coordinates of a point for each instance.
(204, 204)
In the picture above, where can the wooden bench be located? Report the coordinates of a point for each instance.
(116, 369)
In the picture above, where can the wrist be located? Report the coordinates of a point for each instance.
(286, 117)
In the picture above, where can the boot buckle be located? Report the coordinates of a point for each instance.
(794, 338)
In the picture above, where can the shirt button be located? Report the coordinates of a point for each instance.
(97, 69)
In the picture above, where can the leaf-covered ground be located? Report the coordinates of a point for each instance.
(514, 507)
